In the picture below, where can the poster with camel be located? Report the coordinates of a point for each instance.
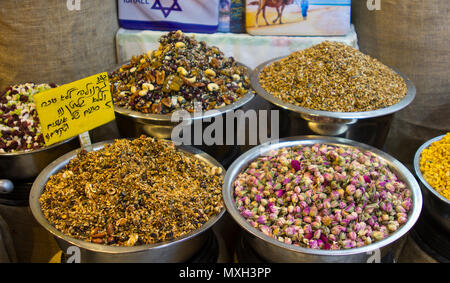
(298, 17)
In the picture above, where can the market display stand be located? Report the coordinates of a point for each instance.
(252, 50)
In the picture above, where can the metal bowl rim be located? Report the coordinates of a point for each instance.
(409, 97)
(419, 173)
(24, 153)
(205, 115)
(168, 117)
(243, 161)
(52, 168)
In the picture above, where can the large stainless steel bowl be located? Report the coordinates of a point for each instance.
(370, 127)
(134, 123)
(275, 251)
(437, 206)
(177, 250)
(25, 166)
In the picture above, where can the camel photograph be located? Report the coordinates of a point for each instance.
(297, 17)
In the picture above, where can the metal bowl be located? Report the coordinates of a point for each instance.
(25, 166)
(177, 250)
(437, 206)
(275, 251)
(134, 123)
(370, 127)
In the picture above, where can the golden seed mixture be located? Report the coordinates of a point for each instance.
(334, 77)
(435, 165)
(132, 192)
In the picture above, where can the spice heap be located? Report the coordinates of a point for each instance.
(322, 197)
(131, 193)
(333, 77)
(181, 73)
(19, 123)
(435, 165)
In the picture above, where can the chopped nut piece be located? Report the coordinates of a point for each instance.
(147, 86)
(167, 101)
(192, 80)
(180, 44)
(132, 240)
(213, 87)
(160, 76)
(210, 73)
(182, 71)
(67, 174)
(121, 222)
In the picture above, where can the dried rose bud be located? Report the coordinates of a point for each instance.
(296, 165)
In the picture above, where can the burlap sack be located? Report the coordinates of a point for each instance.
(50, 41)
(414, 37)
(53, 41)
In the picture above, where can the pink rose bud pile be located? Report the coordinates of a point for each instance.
(322, 197)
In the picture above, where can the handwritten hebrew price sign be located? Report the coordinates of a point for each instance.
(74, 108)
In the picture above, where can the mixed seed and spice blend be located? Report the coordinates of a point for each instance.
(334, 77)
(130, 193)
(20, 130)
(180, 74)
(322, 197)
(435, 165)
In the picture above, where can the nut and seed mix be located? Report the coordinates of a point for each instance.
(132, 192)
(179, 74)
(334, 77)
(20, 130)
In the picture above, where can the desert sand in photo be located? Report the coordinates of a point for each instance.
(322, 20)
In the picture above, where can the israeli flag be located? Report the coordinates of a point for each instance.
(186, 15)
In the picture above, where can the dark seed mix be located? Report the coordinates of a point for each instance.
(181, 73)
(19, 123)
(131, 193)
(333, 77)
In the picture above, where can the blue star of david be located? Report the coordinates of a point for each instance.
(165, 10)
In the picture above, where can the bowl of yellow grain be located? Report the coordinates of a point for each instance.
(432, 167)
